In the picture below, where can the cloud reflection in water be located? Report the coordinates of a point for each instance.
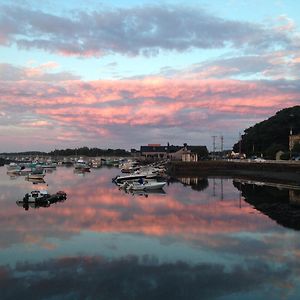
(134, 278)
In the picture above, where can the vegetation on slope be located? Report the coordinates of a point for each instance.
(271, 135)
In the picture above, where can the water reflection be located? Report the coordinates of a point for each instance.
(143, 193)
(281, 203)
(135, 277)
(81, 171)
(198, 184)
(207, 242)
(35, 180)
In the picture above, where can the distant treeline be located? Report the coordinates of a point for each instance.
(84, 151)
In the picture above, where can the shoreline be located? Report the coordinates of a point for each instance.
(288, 173)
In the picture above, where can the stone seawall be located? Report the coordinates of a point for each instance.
(276, 171)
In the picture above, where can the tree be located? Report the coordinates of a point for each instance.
(272, 150)
(263, 136)
(296, 148)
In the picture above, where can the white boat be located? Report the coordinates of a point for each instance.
(146, 185)
(48, 166)
(35, 196)
(25, 171)
(13, 166)
(129, 166)
(135, 176)
(81, 165)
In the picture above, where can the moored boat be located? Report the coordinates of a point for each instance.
(13, 166)
(146, 185)
(82, 165)
(38, 173)
(136, 176)
(41, 198)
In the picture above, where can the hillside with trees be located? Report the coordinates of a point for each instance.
(271, 135)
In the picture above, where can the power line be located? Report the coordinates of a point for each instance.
(240, 143)
(222, 144)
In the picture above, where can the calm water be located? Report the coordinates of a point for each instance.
(205, 241)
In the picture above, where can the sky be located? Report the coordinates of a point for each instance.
(121, 74)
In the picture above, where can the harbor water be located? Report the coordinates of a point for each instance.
(198, 238)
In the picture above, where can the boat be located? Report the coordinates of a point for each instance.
(67, 162)
(25, 171)
(82, 165)
(135, 176)
(129, 167)
(15, 172)
(41, 198)
(13, 166)
(50, 166)
(36, 174)
(146, 185)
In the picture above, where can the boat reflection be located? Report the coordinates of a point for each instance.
(35, 180)
(81, 172)
(279, 202)
(146, 194)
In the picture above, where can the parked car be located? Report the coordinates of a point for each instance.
(259, 159)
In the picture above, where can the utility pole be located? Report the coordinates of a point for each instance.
(222, 145)
(214, 145)
(240, 143)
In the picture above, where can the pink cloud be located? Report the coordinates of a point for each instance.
(86, 110)
(39, 123)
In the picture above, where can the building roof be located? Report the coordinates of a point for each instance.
(171, 149)
(196, 148)
(154, 149)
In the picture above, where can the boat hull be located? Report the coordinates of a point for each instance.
(147, 186)
(120, 179)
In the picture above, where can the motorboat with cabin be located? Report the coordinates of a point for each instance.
(82, 165)
(13, 166)
(38, 173)
(41, 198)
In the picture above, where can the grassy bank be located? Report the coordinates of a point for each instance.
(272, 171)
